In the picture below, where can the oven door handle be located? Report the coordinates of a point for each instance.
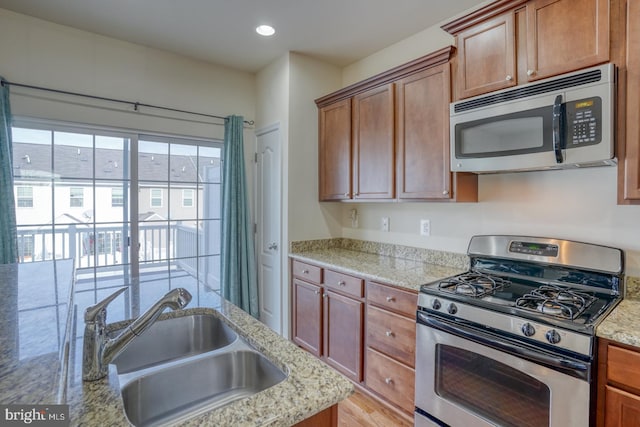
(571, 367)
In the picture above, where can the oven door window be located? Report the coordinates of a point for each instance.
(511, 134)
(490, 389)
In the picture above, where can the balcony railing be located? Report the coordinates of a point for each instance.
(107, 246)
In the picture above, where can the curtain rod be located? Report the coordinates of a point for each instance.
(121, 101)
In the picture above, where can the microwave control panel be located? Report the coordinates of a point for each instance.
(584, 122)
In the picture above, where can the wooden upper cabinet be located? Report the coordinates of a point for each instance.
(334, 148)
(510, 42)
(566, 35)
(630, 168)
(373, 144)
(422, 134)
(487, 56)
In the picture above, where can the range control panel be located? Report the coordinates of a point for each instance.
(530, 248)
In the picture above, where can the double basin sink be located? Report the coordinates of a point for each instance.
(184, 366)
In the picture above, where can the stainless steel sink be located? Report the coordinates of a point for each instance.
(183, 390)
(174, 338)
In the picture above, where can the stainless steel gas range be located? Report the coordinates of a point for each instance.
(511, 342)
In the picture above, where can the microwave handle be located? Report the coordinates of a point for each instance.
(558, 128)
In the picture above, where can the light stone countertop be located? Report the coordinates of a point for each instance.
(40, 360)
(310, 387)
(399, 272)
(623, 323)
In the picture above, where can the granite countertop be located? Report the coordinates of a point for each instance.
(404, 273)
(41, 354)
(34, 320)
(623, 323)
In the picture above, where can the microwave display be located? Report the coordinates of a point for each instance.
(584, 123)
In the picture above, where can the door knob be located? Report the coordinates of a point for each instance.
(273, 246)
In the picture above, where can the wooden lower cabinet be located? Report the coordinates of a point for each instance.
(343, 334)
(390, 379)
(618, 385)
(622, 408)
(368, 336)
(307, 316)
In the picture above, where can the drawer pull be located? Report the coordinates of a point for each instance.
(305, 271)
(388, 380)
(341, 283)
(390, 299)
(316, 292)
(389, 333)
(324, 295)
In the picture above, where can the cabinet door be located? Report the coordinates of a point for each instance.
(566, 35)
(632, 155)
(373, 145)
(307, 316)
(622, 409)
(486, 57)
(343, 334)
(334, 156)
(422, 134)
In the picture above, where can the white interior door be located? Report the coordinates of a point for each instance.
(268, 214)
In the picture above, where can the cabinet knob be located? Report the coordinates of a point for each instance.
(324, 295)
(390, 299)
(341, 283)
(531, 72)
(305, 271)
(346, 194)
(388, 380)
(389, 333)
(509, 78)
(445, 192)
(316, 292)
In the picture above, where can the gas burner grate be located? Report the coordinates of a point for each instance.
(557, 301)
(472, 284)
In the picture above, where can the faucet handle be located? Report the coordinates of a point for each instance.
(92, 313)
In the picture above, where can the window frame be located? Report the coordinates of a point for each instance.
(20, 198)
(152, 198)
(114, 197)
(191, 198)
(75, 198)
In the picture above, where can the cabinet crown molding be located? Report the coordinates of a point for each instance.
(489, 11)
(436, 58)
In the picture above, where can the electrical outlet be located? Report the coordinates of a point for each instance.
(425, 227)
(385, 223)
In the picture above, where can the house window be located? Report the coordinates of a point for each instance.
(117, 198)
(76, 197)
(187, 198)
(156, 197)
(25, 246)
(25, 197)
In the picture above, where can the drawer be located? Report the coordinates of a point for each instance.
(622, 366)
(344, 283)
(391, 334)
(308, 272)
(394, 299)
(390, 379)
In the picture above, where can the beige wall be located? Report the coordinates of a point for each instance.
(572, 204)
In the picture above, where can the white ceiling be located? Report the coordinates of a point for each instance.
(222, 31)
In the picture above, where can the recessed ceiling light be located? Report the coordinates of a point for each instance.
(265, 30)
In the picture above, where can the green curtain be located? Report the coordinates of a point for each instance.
(8, 231)
(237, 257)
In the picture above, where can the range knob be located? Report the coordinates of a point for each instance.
(528, 330)
(553, 336)
(436, 304)
(452, 309)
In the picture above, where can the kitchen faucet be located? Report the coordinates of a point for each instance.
(99, 350)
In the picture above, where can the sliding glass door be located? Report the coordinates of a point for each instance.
(133, 210)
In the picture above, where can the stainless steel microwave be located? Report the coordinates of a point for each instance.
(561, 122)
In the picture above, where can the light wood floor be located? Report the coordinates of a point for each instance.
(360, 410)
